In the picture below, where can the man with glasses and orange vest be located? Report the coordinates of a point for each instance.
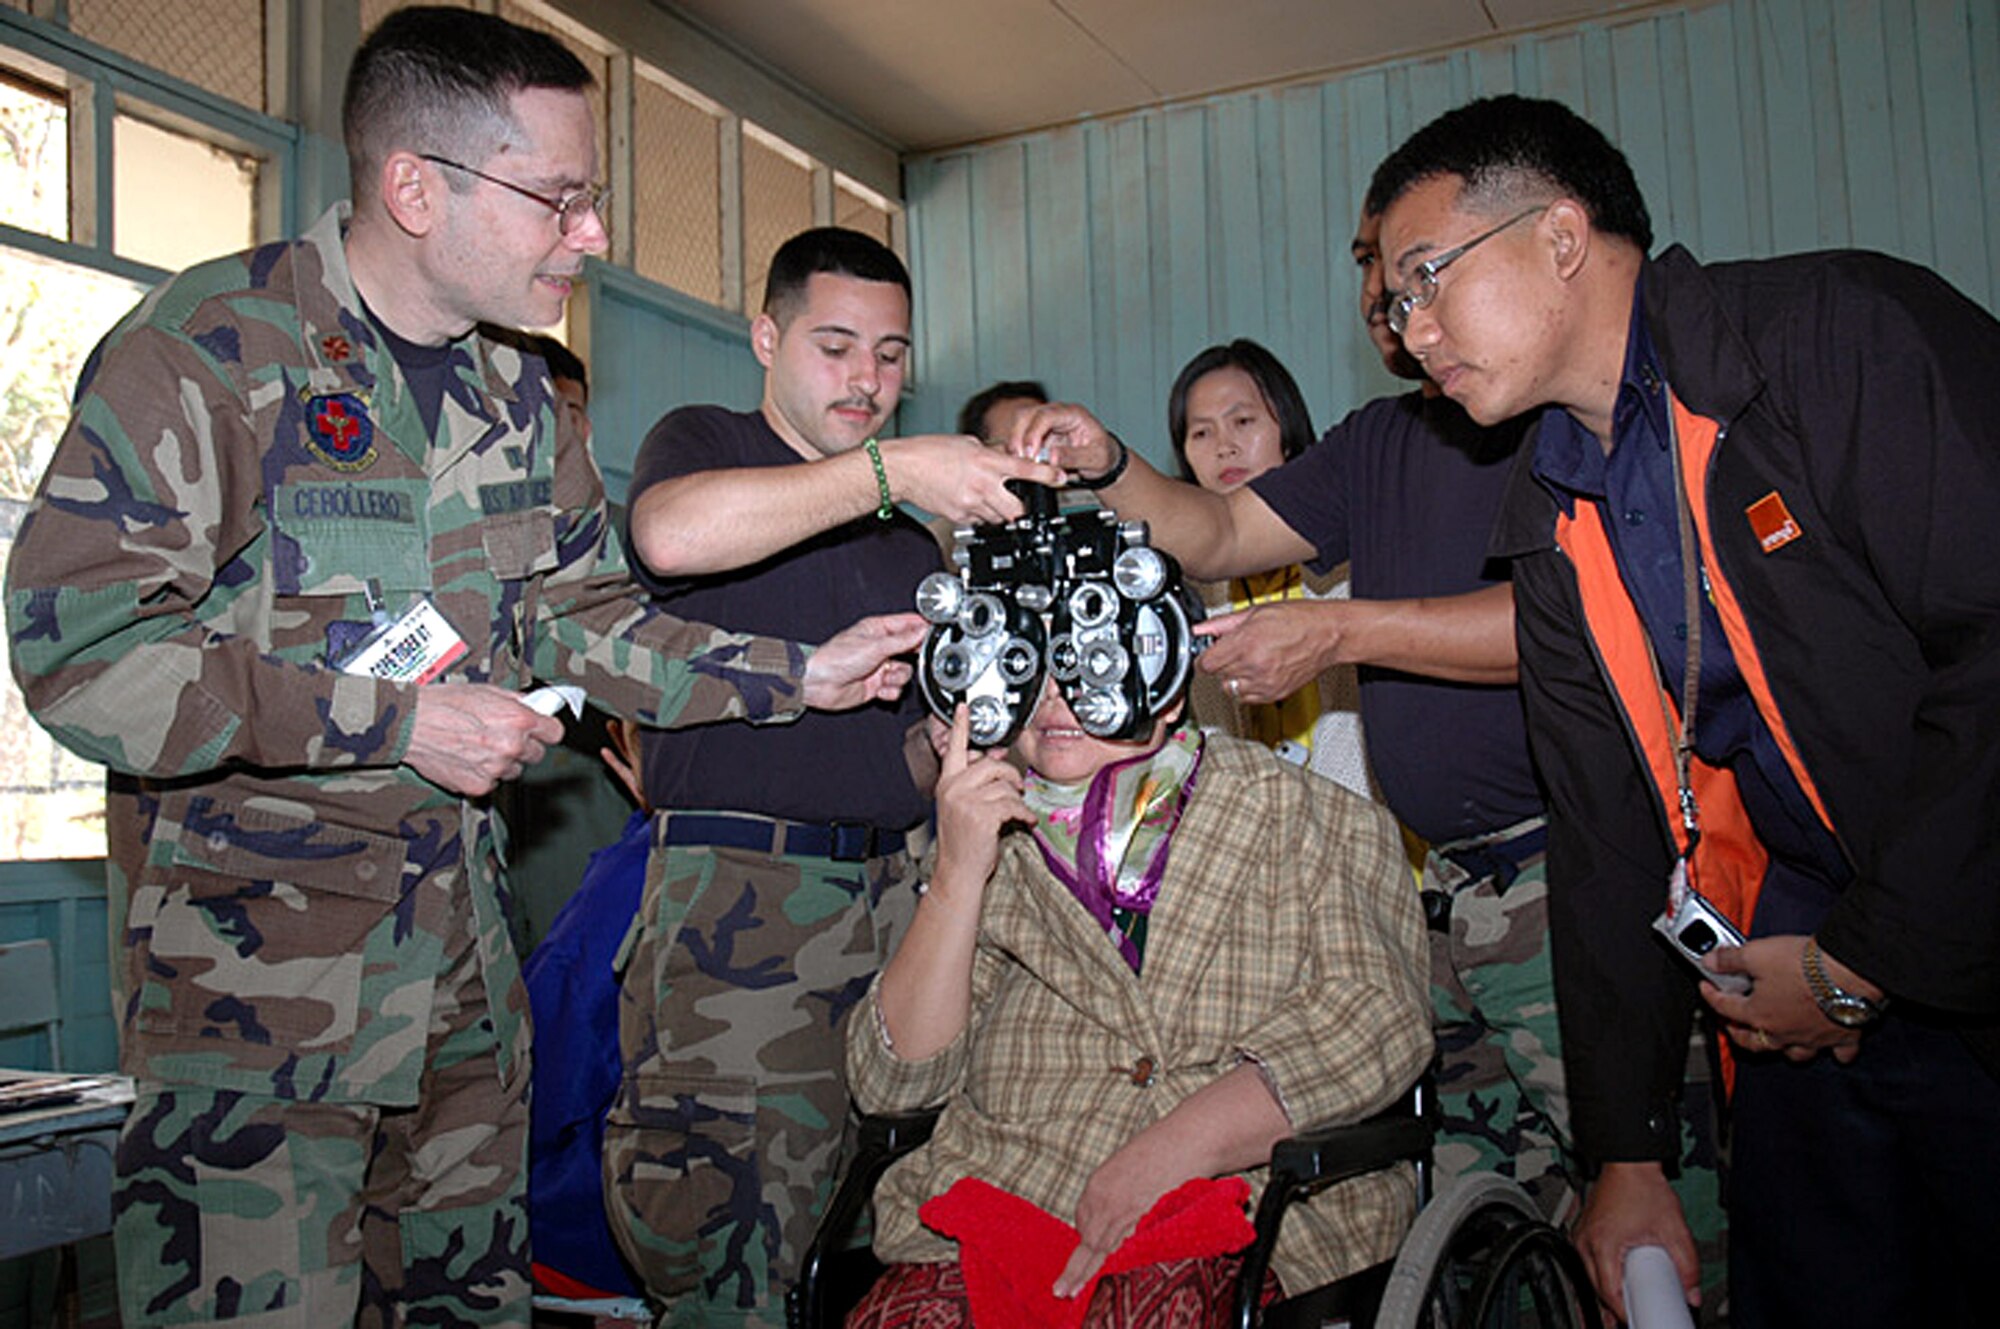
(1759, 625)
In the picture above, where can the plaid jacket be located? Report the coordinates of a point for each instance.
(1286, 931)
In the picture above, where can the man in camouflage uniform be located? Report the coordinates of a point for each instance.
(779, 872)
(278, 460)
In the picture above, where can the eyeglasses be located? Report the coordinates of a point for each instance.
(570, 208)
(1424, 285)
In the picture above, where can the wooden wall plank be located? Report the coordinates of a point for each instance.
(1001, 324)
(1191, 254)
(1062, 354)
(1724, 135)
(1243, 239)
(1982, 30)
(1865, 141)
(1315, 259)
(947, 360)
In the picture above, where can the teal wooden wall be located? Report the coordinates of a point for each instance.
(1100, 256)
(64, 901)
(650, 350)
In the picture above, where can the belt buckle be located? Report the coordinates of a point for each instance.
(852, 841)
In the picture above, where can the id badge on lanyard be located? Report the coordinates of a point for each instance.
(413, 647)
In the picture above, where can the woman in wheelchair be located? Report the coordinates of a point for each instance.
(1140, 963)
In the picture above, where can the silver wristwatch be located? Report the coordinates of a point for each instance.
(1850, 1010)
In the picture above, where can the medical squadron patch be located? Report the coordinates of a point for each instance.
(339, 431)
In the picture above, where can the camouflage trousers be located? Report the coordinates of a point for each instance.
(723, 1144)
(1501, 1095)
(272, 1213)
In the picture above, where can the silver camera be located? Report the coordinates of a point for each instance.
(1696, 928)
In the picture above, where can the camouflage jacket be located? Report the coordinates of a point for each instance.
(243, 461)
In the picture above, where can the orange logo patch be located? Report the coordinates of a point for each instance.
(1772, 522)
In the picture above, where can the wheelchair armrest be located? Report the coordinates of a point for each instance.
(1313, 1160)
(880, 1141)
(1335, 1153)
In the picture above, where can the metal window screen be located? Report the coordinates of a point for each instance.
(859, 214)
(777, 205)
(677, 173)
(374, 11)
(213, 44)
(597, 62)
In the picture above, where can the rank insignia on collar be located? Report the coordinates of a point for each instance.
(339, 431)
(336, 347)
(1772, 522)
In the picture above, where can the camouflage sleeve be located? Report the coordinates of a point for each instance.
(132, 592)
(597, 628)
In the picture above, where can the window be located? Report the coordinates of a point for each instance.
(34, 157)
(777, 205)
(677, 177)
(859, 208)
(51, 314)
(178, 199)
(374, 11)
(90, 215)
(213, 44)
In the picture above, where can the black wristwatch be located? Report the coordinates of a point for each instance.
(1849, 1010)
(1117, 468)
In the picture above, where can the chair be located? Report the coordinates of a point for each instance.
(28, 994)
(1477, 1255)
(55, 1163)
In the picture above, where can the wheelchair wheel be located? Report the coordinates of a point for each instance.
(1480, 1257)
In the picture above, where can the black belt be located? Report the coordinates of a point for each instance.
(841, 841)
(1497, 860)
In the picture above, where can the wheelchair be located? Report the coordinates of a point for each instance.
(1478, 1255)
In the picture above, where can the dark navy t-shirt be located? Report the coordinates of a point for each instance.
(841, 767)
(1406, 489)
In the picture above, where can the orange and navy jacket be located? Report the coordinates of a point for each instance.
(1840, 421)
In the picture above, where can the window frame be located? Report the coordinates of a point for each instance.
(103, 84)
(100, 85)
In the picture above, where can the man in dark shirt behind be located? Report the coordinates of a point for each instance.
(779, 871)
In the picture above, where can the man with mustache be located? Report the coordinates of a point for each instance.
(780, 872)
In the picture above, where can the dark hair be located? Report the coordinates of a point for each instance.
(833, 249)
(562, 361)
(437, 79)
(972, 415)
(1509, 150)
(1274, 382)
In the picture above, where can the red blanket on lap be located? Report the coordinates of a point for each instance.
(1012, 1251)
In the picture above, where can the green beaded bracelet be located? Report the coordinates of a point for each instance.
(887, 509)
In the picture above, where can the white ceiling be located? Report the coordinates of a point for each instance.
(927, 74)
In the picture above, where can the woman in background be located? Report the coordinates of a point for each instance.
(1234, 413)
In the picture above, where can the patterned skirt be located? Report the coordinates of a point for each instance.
(1175, 1294)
